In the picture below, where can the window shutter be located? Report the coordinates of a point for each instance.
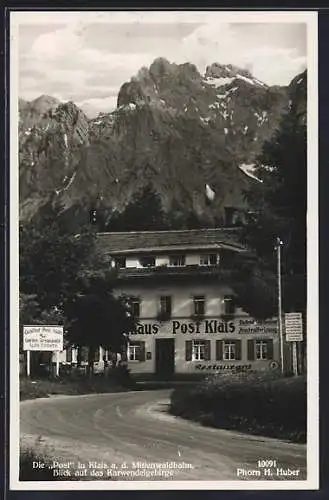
(270, 349)
(251, 350)
(219, 350)
(142, 351)
(188, 350)
(207, 350)
(238, 349)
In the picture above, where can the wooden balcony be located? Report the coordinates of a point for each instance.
(165, 273)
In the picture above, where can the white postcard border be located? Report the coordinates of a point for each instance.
(309, 17)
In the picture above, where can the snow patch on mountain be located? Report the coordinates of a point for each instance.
(249, 171)
(251, 81)
(70, 181)
(222, 96)
(262, 84)
(219, 82)
(261, 117)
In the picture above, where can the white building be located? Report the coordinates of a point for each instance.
(180, 283)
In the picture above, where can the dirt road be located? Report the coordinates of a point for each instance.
(112, 435)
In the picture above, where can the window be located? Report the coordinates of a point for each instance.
(165, 304)
(120, 262)
(261, 349)
(133, 352)
(136, 351)
(177, 260)
(229, 350)
(148, 261)
(199, 350)
(229, 305)
(135, 306)
(199, 305)
(208, 260)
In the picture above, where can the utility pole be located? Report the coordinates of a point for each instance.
(279, 243)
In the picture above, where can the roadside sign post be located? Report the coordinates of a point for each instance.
(279, 243)
(294, 334)
(294, 358)
(42, 338)
(28, 363)
(57, 363)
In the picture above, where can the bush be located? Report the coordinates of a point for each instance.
(263, 404)
(121, 376)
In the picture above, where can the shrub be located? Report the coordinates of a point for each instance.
(28, 473)
(265, 404)
(121, 376)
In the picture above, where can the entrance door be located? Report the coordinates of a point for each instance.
(164, 358)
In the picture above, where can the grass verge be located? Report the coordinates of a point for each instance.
(44, 387)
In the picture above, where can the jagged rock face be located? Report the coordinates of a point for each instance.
(49, 151)
(173, 128)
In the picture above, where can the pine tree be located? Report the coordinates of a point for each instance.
(279, 207)
(144, 212)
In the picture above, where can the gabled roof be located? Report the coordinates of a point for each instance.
(176, 240)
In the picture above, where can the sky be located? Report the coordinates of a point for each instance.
(87, 57)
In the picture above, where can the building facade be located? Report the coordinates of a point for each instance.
(180, 287)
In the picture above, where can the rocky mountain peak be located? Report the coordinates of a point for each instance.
(44, 102)
(30, 113)
(217, 70)
(220, 74)
(173, 129)
(160, 68)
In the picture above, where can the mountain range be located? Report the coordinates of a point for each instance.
(174, 129)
